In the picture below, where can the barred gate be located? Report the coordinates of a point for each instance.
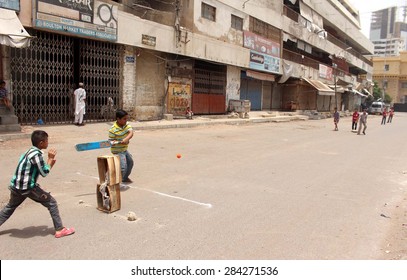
(100, 73)
(209, 93)
(45, 75)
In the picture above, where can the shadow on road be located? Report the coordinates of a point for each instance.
(29, 232)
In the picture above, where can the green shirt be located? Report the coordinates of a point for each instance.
(30, 166)
(118, 133)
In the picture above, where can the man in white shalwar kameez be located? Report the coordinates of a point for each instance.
(80, 97)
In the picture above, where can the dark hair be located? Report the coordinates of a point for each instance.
(37, 136)
(120, 114)
(2, 82)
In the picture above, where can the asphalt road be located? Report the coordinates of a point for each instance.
(285, 191)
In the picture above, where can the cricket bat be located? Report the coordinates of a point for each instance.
(95, 145)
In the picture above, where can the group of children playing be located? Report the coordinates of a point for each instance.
(362, 119)
(32, 164)
(390, 114)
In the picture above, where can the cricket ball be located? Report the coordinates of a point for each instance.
(178, 155)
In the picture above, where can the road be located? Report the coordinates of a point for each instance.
(284, 191)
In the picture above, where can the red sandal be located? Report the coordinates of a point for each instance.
(64, 232)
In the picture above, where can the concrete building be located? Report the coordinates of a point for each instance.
(390, 73)
(155, 57)
(388, 31)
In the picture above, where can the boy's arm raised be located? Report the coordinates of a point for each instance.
(51, 157)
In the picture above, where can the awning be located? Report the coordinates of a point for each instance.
(339, 89)
(260, 76)
(358, 93)
(366, 91)
(12, 32)
(322, 88)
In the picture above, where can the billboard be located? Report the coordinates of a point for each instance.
(10, 4)
(260, 44)
(264, 53)
(264, 62)
(87, 18)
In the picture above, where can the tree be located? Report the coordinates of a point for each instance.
(378, 94)
(377, 91)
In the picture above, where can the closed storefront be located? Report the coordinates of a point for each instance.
(45, 75)
(209, 93)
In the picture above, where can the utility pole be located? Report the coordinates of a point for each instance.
(335, 66)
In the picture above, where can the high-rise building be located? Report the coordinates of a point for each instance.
(388, 31)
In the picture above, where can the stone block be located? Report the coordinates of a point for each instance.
(168, 117)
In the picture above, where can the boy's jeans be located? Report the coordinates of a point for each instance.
(126, 164)
(38, 195)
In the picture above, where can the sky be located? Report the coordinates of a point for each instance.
(366, 7)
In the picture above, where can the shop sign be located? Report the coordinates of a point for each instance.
(10, 4)
(148, 40)
(87, 18)
(264, 62)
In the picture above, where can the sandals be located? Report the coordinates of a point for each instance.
(64, 232)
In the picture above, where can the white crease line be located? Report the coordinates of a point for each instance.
(208, 205)
(78, 173)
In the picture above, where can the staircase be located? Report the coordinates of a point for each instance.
(8, 121)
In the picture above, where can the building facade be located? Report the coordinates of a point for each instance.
(388, 31)
(390, 73)
(154, 57)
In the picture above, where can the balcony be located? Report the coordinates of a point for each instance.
(293, 15)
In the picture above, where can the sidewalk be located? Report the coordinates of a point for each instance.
(254, 117)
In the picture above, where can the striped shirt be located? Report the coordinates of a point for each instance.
(118, 133)
(30, 166)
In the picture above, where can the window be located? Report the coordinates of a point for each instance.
(386, 67)
(265, 30)
(404, 85)
(237, 23)
(208, 12)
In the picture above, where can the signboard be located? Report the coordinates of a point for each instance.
(87, 18)
(325, 72)
(260, 44)
(148, 40)
(264, 53)
(130, 59)
(10, 4)
(264, 62)
(179, 98)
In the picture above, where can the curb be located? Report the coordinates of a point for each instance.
(210, 122)
(164, 124)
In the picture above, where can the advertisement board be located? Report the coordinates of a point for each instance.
(10, 4)
(264, 53)
(85, 18)
(264, 62)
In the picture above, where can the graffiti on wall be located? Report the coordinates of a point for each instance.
(179, 98)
